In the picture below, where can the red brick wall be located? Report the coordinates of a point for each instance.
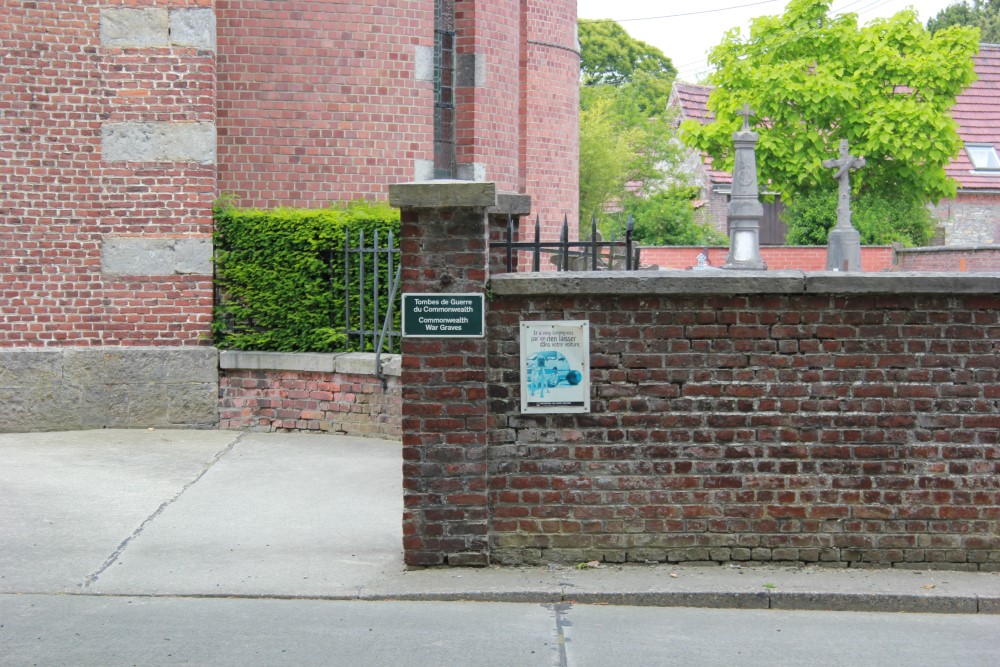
(60, 200)
(804, 258)
(800, 426)
(272, 400)
(973, 260)
(815, 428)
(318, 102)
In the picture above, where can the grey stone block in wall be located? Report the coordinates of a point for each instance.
(134, 28)
(43, 365)
(356, 363)
(159, 142)
(473, 171)
(423, 170)
(471, 70)
(902, 283)
(193, 27)
(108, 387)
(140, 28)
(512, 203)
(423, 63)
(136, 255)
(307, 362)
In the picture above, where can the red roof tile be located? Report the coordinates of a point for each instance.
(693, 103)
(977, 112)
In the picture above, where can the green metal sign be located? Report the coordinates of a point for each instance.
(444, 315)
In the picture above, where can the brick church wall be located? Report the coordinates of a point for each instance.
(107, 134)
(550, 113)
(108, 144)
(321, 103)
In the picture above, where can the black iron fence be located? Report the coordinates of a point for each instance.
(372, 313)
(593, 254)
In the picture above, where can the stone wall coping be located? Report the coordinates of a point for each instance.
(509, 203)
(347, 363)
(642, 283)
(443, 194)
(947, 249)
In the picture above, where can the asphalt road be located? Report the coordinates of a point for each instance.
(85, 630)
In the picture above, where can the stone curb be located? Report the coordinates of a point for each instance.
(848, 602)
(845, 602)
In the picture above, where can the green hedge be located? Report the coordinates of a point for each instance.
(881, 219)
(279, 276)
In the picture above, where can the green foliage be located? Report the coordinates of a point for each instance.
(818, 78)
(628, 146)
(982, 14)
(605, 150)
(280, 275)
(667, 218)
(609, 55)
(881, 219)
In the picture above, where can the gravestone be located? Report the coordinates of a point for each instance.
(745, 210)
(843, 247)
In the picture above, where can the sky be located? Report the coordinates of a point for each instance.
(687, 39)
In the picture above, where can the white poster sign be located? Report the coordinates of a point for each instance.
(555, 366)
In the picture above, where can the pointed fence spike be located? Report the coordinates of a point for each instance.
(629, 228)
(594, 247)
(536, 261)
(564, 239)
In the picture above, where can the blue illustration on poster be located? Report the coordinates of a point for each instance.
(548, 369)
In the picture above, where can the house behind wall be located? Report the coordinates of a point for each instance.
(972, 218)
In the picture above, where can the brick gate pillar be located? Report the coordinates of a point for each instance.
(445, 249)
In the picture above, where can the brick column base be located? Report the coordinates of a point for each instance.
(445, 249)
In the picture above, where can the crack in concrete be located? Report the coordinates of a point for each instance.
(113, 558)
(559, 612)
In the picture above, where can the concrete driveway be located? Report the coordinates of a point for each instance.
(198, 513)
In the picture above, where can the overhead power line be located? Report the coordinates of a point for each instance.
(673, 16)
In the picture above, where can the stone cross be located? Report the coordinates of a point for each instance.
(843, 165)
(746, 112)
(843, 248)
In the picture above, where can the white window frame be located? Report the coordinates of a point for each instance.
(983, 157)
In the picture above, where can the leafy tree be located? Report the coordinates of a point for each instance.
(984, 14)
(667, 218)
(818, 78)
(607, 151)
(611, 57)
(628, 144)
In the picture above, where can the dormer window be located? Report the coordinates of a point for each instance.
(983, 157)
